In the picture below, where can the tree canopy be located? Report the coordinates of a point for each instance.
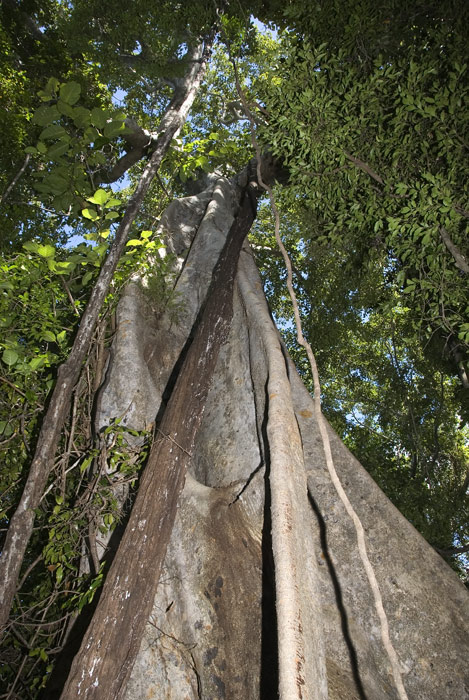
(363, 107)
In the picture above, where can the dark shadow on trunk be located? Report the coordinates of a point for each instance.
(269, 644)
(339, 599)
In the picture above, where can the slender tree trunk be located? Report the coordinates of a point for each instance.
(21, 524)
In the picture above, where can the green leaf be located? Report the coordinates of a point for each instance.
(9, 357)
(36, 363)
(58, 149)
(81, 117)
(99, 197)
(66, 265)
(91, 134)
(46, 251)
(56, 183)
(113, 129)
(5, 429)
(65, 108)
(53, 131)
(99, 117)
(202, 162)
(59, 574)
(32, 246)
(112, 215)
(112, 203)
(45, 115)
(50, 89)
(90, 214)
(86, 278)
(52, 85)
(70, 92)
(49, 336)
(86, 463)
(108, 519)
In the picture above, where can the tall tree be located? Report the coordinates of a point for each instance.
(184, 432)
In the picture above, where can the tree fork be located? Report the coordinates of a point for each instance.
(21, 524)
(114, 635)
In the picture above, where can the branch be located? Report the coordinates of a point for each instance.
(15, 179)
(459, 259)
(365, 167)
(135, 136)
(452, 550)
(140, 141)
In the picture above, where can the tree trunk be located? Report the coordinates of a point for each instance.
(21, 524)
(261, 587)
(101, 668)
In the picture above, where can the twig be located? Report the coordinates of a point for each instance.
(453, 550)
(28, 571)
(2, 379)
(365, 167)
(18, 676)
(168, 437)
(16, 178)
(69, 294)
(9, 439)
(459, 259)
(163, 186)
(92, 542)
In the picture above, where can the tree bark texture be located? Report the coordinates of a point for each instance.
(261, 588)
(103, 664)
(21, 524)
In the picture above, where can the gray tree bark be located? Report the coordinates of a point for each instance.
(256, 481)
